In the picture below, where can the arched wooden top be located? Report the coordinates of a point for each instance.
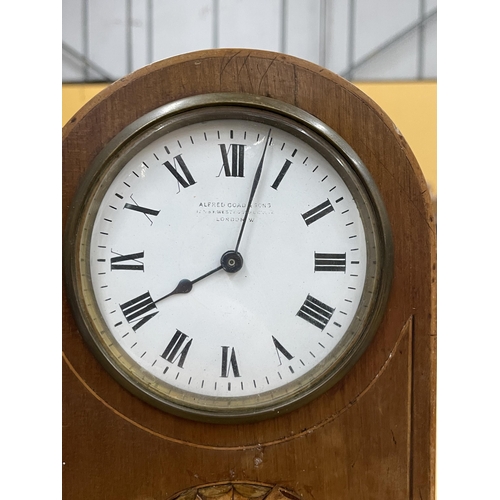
(409, 323)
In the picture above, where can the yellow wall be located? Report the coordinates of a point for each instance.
(410, 105)
(74, 96)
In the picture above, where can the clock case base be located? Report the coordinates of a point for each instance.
(373, 434)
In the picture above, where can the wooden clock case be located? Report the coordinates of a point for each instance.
(372, 436)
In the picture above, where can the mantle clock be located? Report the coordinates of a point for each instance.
(249, 300)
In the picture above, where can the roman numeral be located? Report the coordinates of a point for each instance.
(229, 362)
(131, 257)
(283, 171)
(172, 354)
(330, 262)
(144, 210)
(136, 310)
(185, 181)
(315, 312)
(137, 208)
(280, 348)
(317, 212)
(236, 169)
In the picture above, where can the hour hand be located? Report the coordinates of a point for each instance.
(230, 261)
(185, 285)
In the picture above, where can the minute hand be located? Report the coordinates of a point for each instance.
(255, 183)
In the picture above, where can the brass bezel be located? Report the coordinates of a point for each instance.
(189, 110)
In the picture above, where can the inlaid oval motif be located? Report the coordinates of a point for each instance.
(236, 491)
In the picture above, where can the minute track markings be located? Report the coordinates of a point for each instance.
(297, 351)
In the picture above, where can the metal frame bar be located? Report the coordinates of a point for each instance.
(348, 74)
(421, 40)
(128, 35)
(353, 65)
(85, 37)
(351, 42)
(322, 32)
(215, 24)
(88, 64)
(149, 20)
(283, 26)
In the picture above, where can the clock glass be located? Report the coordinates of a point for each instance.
(229, 257)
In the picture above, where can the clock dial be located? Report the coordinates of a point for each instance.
(231, 261)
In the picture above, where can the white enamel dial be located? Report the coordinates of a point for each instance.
(231, 261)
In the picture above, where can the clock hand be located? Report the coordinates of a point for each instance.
(230, 261)
(252, 192)
(185, 285)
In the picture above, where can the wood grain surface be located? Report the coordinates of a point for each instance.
(372, 436)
